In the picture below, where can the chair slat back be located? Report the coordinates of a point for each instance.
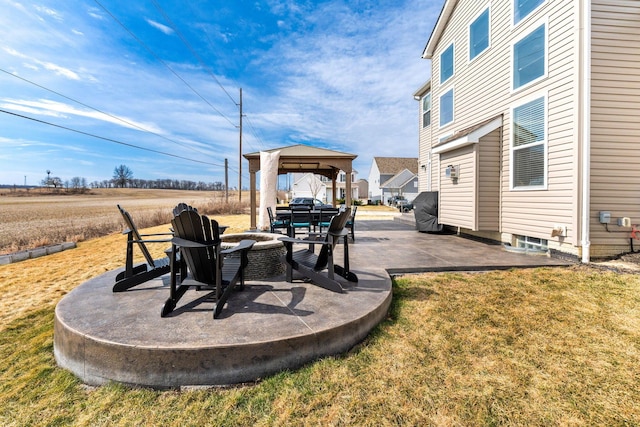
(136, 235)
(301, 216)
(202, 262)
(335, 227)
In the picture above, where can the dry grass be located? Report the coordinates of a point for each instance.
(43, 219)
(531, 347)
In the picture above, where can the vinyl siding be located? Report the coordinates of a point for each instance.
(615, 121)
(483, 89)
(488, 182)
(424, 148)
(459, 196)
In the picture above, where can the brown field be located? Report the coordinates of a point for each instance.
(42, 219)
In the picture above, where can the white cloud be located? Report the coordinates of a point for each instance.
(168, 31)
(59, 109)
(49, 12)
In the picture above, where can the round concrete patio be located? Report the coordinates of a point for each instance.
(270, 326)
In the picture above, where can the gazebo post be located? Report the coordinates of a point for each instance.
(347, 196)
(334, 197)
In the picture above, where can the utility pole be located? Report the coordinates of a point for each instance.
(226, 181)
(240, 154)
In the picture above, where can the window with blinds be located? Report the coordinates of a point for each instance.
(529, 144)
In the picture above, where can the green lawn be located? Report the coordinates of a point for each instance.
(523, 347)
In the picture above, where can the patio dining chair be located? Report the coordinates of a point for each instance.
(300, 220)
(276, 224)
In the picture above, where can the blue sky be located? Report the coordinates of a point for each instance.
(165, 76)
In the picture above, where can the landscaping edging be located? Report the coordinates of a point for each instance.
(35, 253)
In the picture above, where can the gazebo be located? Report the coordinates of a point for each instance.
(304, 158)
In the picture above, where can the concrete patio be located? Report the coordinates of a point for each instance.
(270, 326)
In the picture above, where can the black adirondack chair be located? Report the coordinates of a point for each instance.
(307, 264)
(324, 218)
(183, 207)
(206, 265)
(351, 223)
(135, 275)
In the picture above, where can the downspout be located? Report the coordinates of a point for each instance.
(586, 130)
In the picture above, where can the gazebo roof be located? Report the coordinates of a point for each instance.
(305, 158)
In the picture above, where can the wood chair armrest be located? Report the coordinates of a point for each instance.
(341, 233)
(303, 241)
(152, 241)
(177, 241)
(244, 245)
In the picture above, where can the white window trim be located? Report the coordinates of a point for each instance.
(474, 19)
(453, 113)
(430, 94)
(545, 142)
(453, 59)
(535, 26)
(515, 24)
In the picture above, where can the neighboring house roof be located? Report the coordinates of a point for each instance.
(438, 29)
(393, 165)
(399, 180)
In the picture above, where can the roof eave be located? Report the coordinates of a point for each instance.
(438, 29)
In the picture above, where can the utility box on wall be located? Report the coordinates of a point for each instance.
(452, 171)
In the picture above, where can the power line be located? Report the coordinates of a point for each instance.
(255, 133)
(108, 139)
(186, 43)
(102, 112)
(163, 62)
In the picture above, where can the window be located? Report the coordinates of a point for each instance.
(532, 244)
(426, 110)
(529, 144)
(529, 62)
(446, 64)
(446, 108)
(522, 8)
(479, 34)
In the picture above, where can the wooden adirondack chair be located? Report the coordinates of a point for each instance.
(135, 275)
(207, 266)
(309, 265)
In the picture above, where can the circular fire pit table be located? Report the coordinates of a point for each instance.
(265, 257)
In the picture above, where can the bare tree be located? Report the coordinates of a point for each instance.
(122, 175)
(315, 186)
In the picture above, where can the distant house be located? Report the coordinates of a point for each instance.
(534, 122)
(384, 169)
(308, 184)
(404, 183)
